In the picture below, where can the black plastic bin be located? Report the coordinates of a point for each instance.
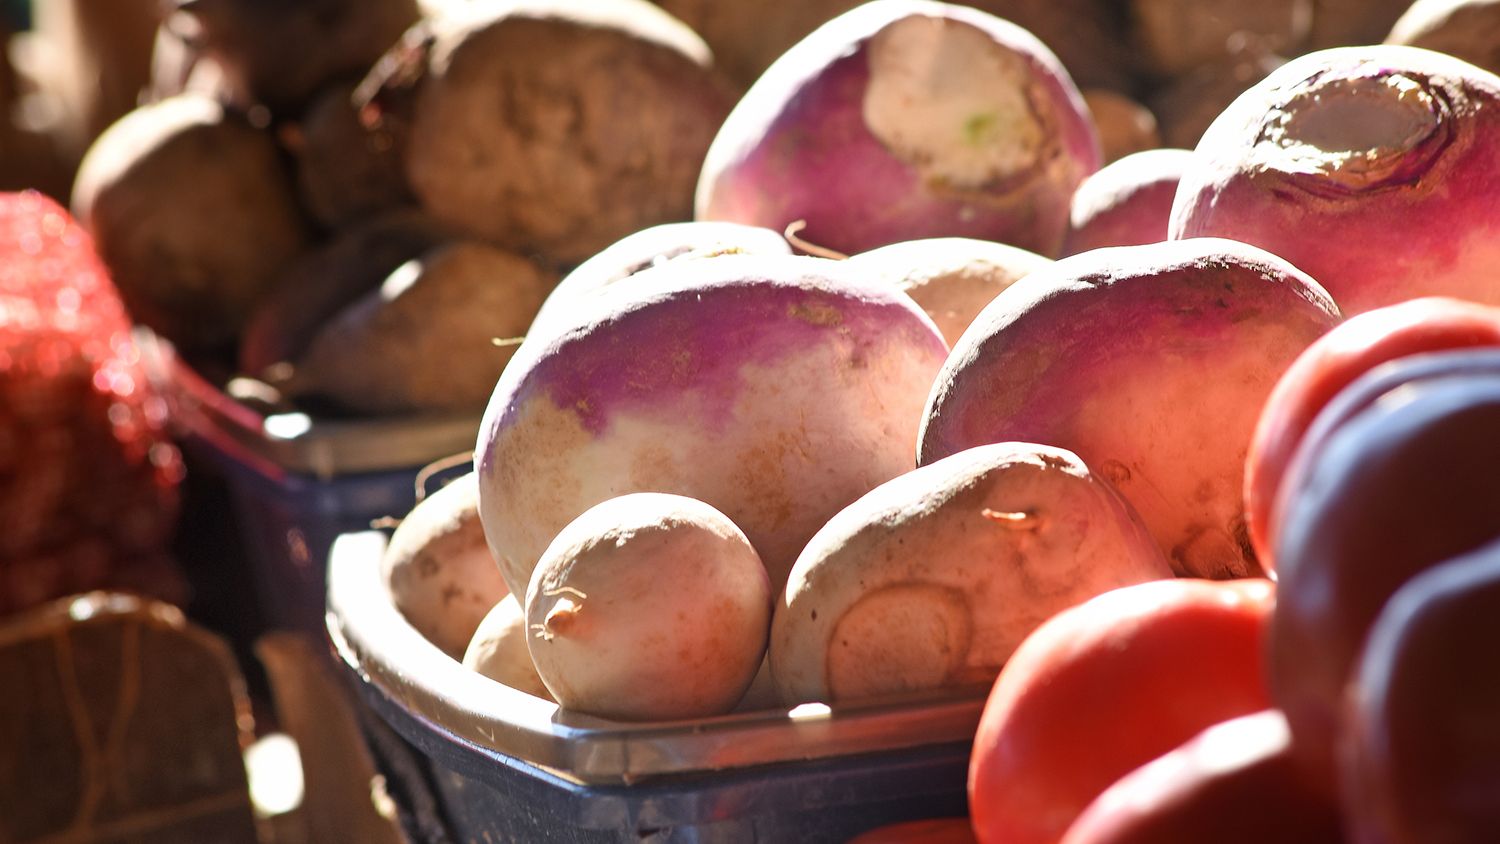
(503, 766)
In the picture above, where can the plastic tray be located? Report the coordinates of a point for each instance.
(297, 483)
(506, 766)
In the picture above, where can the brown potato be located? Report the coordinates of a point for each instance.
(560, 126)
(425, 341)
(193, 213)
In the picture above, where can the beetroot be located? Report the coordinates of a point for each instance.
(906, 119)
(1370, 168)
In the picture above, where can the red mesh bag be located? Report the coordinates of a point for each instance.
(88, 477)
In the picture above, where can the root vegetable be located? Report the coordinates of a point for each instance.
(1341, 23)
(1128, 203)
(1107, 686)
(931, 579)
(1175, 36)
(1105, 354)
(1408, 482)
(648, 248)
(560, 126)
(1331, 365)
(1464, 29)
(438, 569)
(425, 340)
(499, 651)
(280, 53)
(1125, 126)
(193, 212)
(1362, 141)
(649, 607)
(775, 388)
(906, 119)
(314, 287)
(1186, 105)
(952, 278)
(345, 171)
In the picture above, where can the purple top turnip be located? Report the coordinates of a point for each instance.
(1128, 203)
(906, 119)
(1371, 168)
(775, 388)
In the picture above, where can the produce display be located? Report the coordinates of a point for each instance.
(1122, 377)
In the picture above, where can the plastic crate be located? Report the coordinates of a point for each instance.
(297, 483)
(503, 766)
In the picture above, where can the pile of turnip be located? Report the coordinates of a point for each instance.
(879, 359)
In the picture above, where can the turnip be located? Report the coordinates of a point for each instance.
(906, 119)
(438, 569)
(424, 341)
(1464, 29)
(193, 211)
(1149, 362)
(649, 607)
(560, 126)
(931, 579)
(1368, 167)
(648, 248)
(952, 278)
(499, 651)
(1128, 203)
(775, 388)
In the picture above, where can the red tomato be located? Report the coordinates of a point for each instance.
(1234, 783)
(938, 831)
(1331, 364)
(1105, 687)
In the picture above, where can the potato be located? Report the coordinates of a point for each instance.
(438, 569)
(1125, 126)
(1465, 29)
(498, 649)
(649, 607)
(322, 281)
(560, 126)
(344, 170)
(280, 53)
(951, 278)
(193, 212)
(425, 341)
(930, 580)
